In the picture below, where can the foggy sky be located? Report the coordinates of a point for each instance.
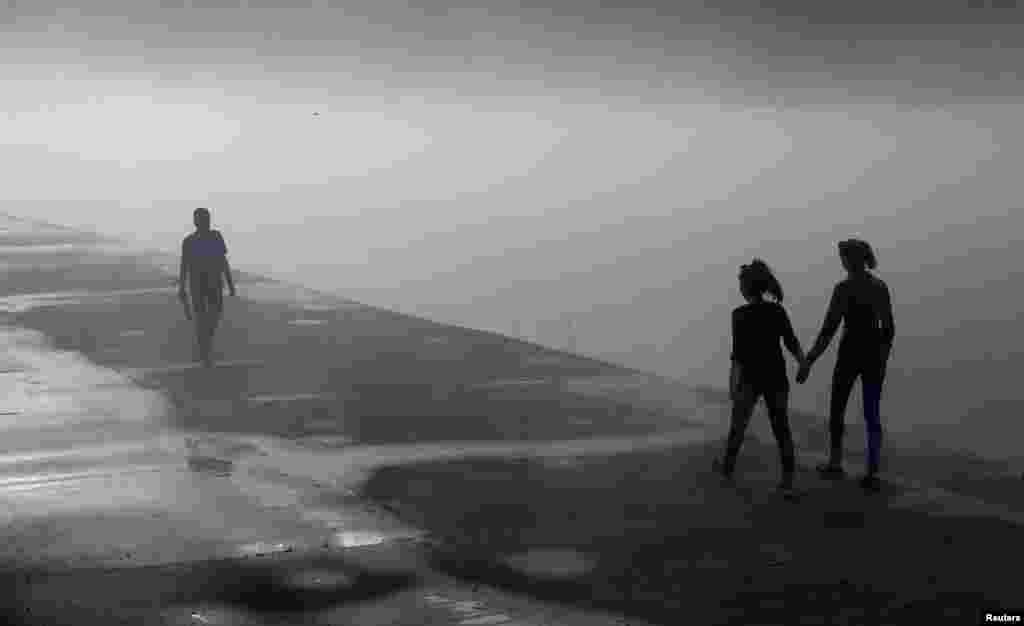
(509, 166)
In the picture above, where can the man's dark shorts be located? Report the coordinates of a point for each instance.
(207, 293)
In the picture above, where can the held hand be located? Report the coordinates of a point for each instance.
(803, 372)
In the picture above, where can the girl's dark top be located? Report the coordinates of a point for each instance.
(757, 329)
(862, 304)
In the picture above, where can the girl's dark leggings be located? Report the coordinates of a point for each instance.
(743, 409)
(871, 370)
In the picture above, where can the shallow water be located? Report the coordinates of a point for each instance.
(80, 439)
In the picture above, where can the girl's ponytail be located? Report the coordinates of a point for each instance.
(858, 254)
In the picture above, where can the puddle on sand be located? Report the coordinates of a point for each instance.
(356, 539)
(63, 387)
(22, 303)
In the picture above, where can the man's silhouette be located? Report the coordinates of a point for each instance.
(204, 267)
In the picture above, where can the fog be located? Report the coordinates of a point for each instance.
(590, 177)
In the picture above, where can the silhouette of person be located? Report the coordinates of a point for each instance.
(863, 304)
(758, 367)
(204, 267)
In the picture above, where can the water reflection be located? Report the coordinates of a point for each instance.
(355, 539)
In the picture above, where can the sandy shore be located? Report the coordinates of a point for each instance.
(418, 469)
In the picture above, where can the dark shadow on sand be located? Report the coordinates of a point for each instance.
(959, 471)
(138, 595)
(653, 535)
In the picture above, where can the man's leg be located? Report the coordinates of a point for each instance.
(203, 334)
(199, 308)
(742, 409)
(216, 310)
(778, 414)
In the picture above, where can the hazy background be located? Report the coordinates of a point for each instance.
(512, 167)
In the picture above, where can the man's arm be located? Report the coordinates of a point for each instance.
(227, 266)
(227, 275)
(182, 276)
(834, 315)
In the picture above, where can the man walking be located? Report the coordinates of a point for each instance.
(204, 268)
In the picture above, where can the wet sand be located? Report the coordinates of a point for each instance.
(138, 487)
(345, 464)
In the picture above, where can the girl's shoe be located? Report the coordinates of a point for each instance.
(719, 468)
(871, 483)
(788, 491)
(831, 472)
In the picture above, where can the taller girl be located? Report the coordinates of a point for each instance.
(862, 302)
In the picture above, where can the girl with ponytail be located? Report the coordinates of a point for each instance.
(759, 368)
(863, 305)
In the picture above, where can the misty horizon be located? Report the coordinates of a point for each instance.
(517, 168)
